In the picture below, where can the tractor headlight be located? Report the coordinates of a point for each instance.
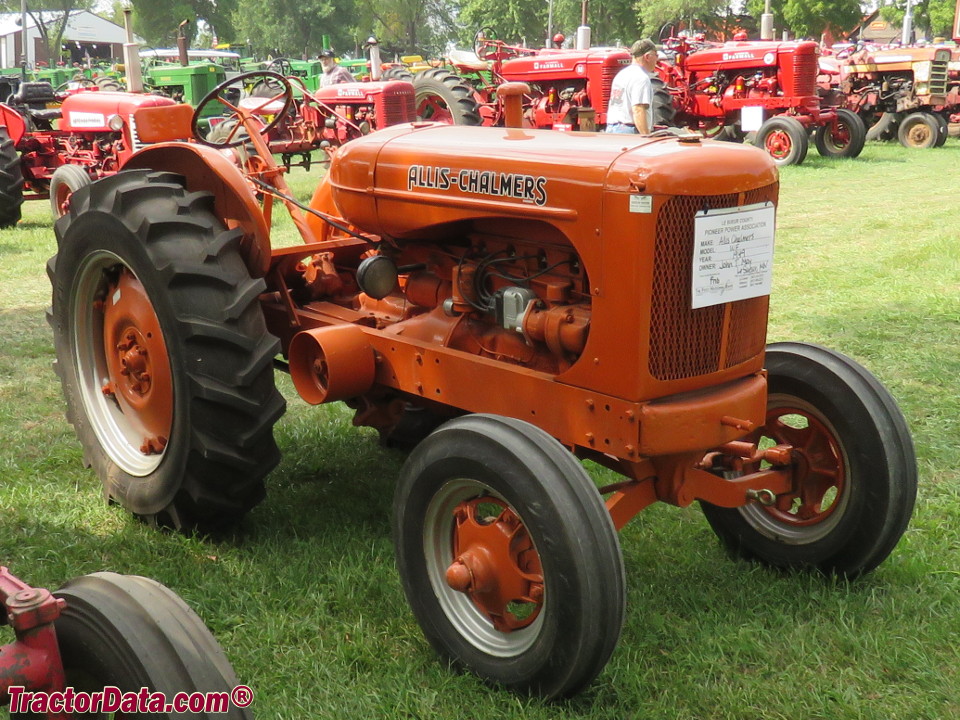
(115, 123)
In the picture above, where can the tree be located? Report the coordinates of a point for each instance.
(931, 18)
(809, 18)
(293, 28)
(408, 26)
(654, 16)
(158, 22)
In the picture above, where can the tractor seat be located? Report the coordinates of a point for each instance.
(36, 93)
(260, 106)
(45, 115)
(467, 59)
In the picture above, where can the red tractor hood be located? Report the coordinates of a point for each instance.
(734, 55)
(91, 111)
(550, 64)
(360, 91)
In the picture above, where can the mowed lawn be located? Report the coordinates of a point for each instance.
(305, 597)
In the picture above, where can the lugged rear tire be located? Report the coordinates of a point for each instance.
(11, 182)
(162, 351)
(442, 96)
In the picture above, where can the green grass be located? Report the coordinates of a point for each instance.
(305, 597)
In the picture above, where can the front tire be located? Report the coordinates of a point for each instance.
(843, 138)
(132, 632)
(64, 182)
(854, 467)
(784, 139)
(499, 510)
(162, 351)
(919, 130)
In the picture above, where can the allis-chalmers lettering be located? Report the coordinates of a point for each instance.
(527, 188)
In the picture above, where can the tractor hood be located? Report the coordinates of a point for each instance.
(746, 55)
(91, 111)
(554, 64)
(403, 180)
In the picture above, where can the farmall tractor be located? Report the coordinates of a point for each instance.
(569, 89)
(95, 135)
(308, 120)
(769, 88)
(110, 631)
(898, 92)
(541, 297)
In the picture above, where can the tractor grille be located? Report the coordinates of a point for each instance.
(606, 83)
(396, 107)
(938, 77)
(685, 342)
(805, 74)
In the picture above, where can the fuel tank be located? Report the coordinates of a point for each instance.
(91, 111)
(410, 180)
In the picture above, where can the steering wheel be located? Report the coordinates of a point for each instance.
(482, 42)
(280, 65)
(219, 94)
(83, 82)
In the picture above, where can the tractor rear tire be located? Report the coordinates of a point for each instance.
(919, 130)
(844, 139)
(11, 181)
(784, 139)
(131, 632)
(162, 351)
(854, 468)
(442, 96)
(663, 113)
(108, 84)
(499, 499)
(66, 180)
(397, 73)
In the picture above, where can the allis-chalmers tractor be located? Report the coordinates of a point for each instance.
(765, 87)
(569, 89)
(94, 137)
(543, 297)
(898, 92)
(104, 631)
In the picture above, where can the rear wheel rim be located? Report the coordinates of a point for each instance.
(123, 368)
(470, 612)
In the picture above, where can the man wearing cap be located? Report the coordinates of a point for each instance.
(631, 95)
(332, 72)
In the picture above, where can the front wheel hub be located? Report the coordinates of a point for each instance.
(496, 564)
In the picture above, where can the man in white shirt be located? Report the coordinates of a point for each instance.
(631, 95)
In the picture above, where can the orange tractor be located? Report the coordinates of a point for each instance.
(536, 297)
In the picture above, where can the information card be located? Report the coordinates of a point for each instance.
(732, 254)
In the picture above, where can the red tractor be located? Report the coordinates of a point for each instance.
(110, 635)
(569, 89)
(768, 88)
(543, 297)
(94, 136)
(898, 92)
(306, 121)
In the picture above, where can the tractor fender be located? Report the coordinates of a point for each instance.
(13, 122)
(208, 169)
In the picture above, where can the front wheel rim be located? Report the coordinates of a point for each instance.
(779, 144)
(468, 611)
(821, 493)
(124, 377)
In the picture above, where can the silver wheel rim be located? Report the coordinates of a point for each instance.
(468, 620)
(119, 439)
(766, 524)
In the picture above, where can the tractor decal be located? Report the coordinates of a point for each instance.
(518, 186)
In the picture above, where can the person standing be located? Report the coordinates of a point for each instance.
(631, 95)
(332, 72)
